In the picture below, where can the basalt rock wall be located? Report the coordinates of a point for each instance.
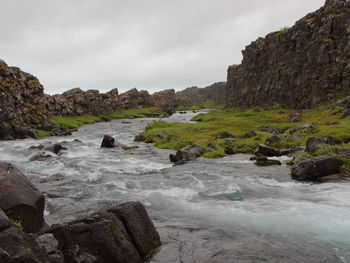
(23, 103)
(297, 67)
(197, 96)
(22, 99)
(78, 102)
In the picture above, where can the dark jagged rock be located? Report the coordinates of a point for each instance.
(48, 243)
(40, 157)
(108, 142)
(165, 100)
(250, 134)
(102, 235)
(273, 140)
(307, 126)
(139, 138)
(297, 67)
(188, 153)
(139, 226)
(4, 221)
(273, 130)
(344, 152)
(20, 199)
(229, 150)
(22, 103)
(79, 102)
(314, 143)
(315, 168)
(198, 96)
(123, 234)
(267, 151)
(20, 247)
(266, 162)
(11, 133)
(224, 135)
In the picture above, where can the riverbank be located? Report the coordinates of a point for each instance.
(245, 130)
(208, 210)
(75, 122)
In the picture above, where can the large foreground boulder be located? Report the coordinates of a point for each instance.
(188, 153)
(20, 199)
(16, 246)
(124, 233)
(139, 226)
(315, 168)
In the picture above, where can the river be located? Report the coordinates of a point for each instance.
(209, 210)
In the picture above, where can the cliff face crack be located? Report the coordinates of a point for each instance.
(298, 68)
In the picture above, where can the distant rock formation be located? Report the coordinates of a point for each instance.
(165, 100)
(78, 102)
(198, 96)
(24, 106)
(297, 67)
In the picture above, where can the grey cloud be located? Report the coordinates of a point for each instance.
(148, 44)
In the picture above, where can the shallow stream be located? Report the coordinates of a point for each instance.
(209, 210)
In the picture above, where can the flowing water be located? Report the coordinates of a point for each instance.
(209, 210)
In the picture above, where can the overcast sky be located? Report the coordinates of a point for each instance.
(147, 44)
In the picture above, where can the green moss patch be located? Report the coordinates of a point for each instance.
(178, 135)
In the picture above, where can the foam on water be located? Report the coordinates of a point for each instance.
(217, 194)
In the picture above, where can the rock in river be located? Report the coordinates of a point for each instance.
(267, 151)
(107, 142)
(188, 153)
(315, 168)
(20, 199)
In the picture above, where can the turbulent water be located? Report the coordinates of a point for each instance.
(209, 210)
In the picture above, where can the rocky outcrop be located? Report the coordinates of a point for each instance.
(22, 101)
(267, 151)
(16, 246)
(315, 168)
(186, 154)
(79, 102)
(20, 199)
(24, 107)
(297, 67)
(124, 233)
(198, 96)
(165, 100)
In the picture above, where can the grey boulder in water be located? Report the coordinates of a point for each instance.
(315, 168)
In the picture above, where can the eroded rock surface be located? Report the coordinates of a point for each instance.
(20, 199)
(297, 67)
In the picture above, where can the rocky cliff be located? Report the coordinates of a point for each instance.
(197, 96)
(24, 106)
(166, 100)
(79, 102)
(22, 99)
(297, 67)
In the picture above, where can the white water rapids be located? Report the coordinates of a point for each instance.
(209, 210)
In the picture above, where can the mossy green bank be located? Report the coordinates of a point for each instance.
(327, 123)
(74, 122)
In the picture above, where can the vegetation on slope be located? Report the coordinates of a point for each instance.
(74, 122)
(327, 123)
